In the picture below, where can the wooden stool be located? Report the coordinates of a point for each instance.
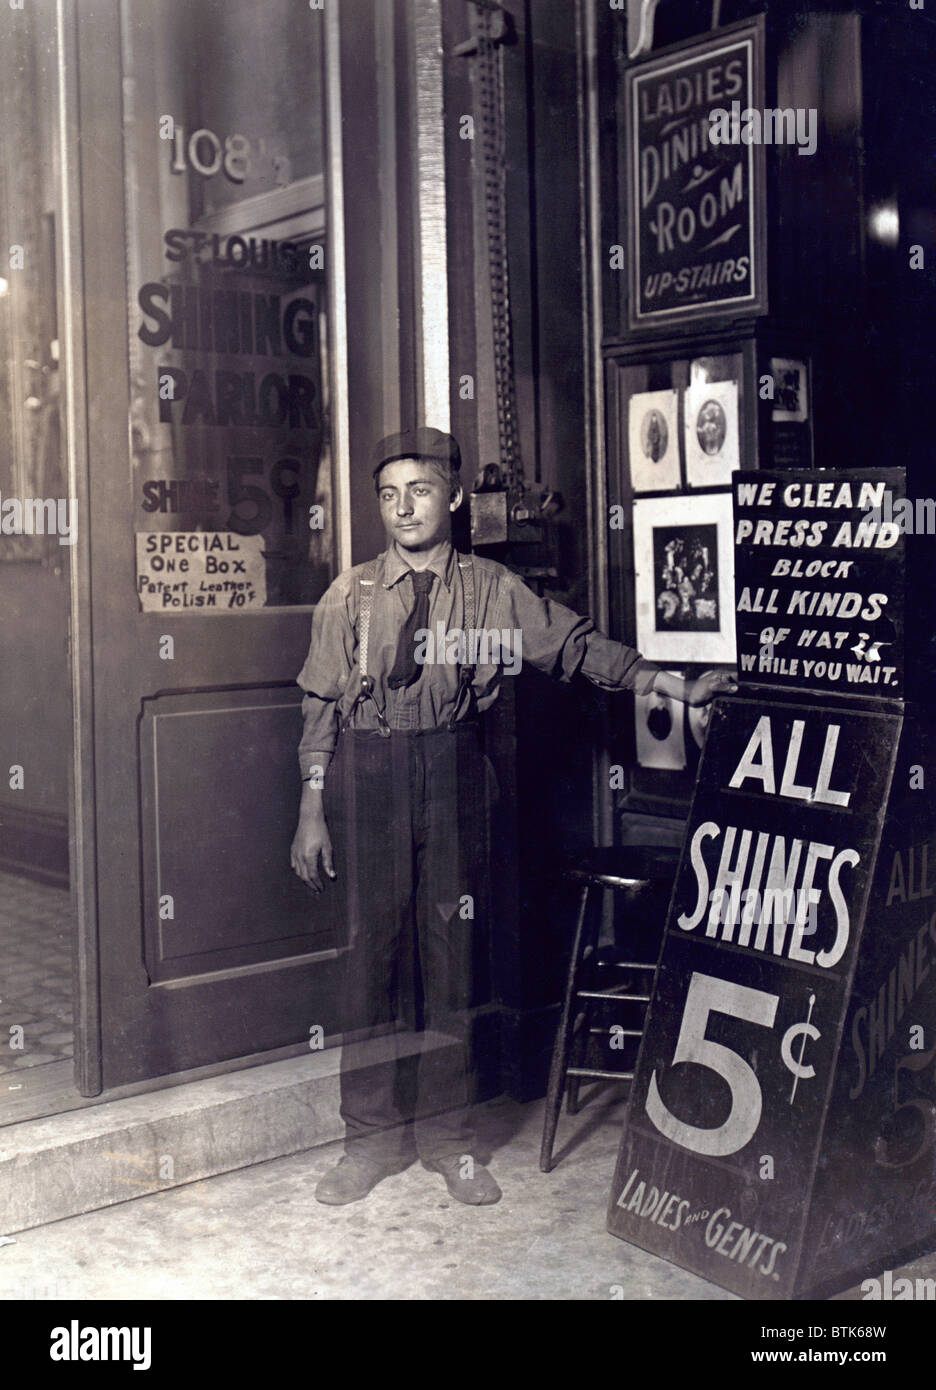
(634, 871)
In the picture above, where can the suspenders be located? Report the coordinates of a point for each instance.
(466, 674)
(366, 690)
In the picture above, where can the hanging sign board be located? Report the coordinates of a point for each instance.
(819, 580)
(729, 1105)
(696, 225)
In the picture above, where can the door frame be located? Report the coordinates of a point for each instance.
(81, 839)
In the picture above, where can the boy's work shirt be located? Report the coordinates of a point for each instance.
(511, 623)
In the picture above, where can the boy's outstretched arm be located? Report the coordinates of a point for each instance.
(563, 643)
(699, 691)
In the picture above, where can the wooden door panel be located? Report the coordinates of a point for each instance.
(218, 779)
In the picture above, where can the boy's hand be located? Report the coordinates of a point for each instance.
(312, 842)
(711, 683)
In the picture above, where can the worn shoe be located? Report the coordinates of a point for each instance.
(478, 1190)
(352, 1177)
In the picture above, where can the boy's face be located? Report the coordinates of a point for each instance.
(416, 503)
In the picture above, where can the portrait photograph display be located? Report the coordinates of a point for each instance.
(710, 430)
(791, 390)
(653, 441)
(660, 731)
(684, 579)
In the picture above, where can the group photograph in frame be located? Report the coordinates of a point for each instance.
(683, 578)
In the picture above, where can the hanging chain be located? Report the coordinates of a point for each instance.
(493, 154)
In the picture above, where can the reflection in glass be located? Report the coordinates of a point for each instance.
(35, 707)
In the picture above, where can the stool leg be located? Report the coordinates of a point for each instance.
(572, 1099)
(563, 1040)
(578, 1045)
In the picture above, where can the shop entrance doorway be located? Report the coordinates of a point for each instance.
(209, 466)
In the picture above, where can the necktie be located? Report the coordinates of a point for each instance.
(405, 669)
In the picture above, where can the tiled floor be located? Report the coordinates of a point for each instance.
(35, 974)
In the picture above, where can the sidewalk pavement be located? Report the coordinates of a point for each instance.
(258, 1233)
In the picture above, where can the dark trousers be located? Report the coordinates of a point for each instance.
(409, 823)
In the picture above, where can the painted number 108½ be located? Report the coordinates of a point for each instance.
(207, 156)
(708, 994)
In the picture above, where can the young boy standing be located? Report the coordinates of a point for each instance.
(392, 764)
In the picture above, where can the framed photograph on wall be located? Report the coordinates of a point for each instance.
(684, 578)
(660, 731)
(653, 441)
(711, 433)
(791, 390)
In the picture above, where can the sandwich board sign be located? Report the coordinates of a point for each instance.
(781, 1123)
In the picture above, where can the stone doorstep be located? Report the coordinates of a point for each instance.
(96, 1157)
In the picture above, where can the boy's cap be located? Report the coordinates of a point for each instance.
(421, 443)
